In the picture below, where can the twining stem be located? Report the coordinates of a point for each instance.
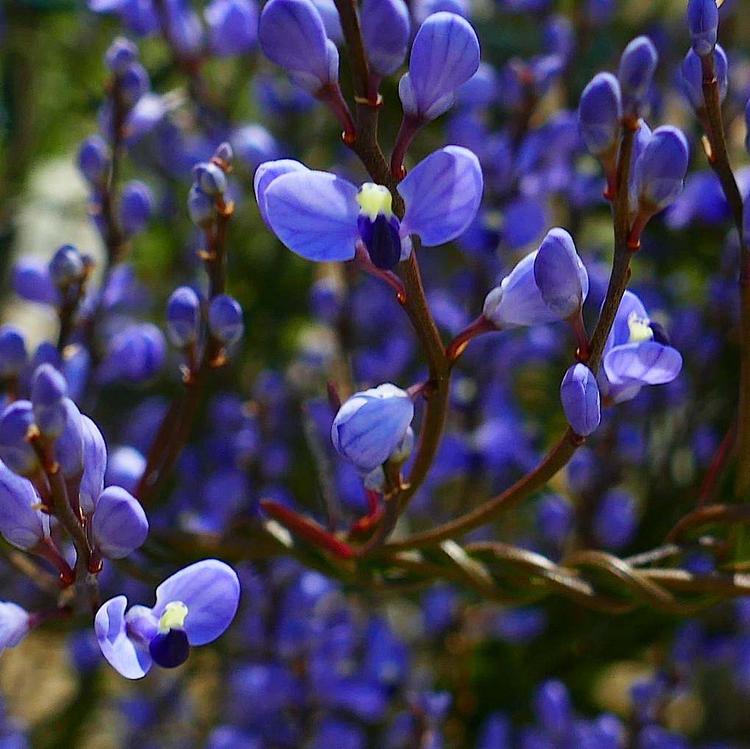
(366, 146)
(718, 158)
(562, 451)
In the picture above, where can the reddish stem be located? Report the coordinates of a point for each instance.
(409, 128)
(583, 352)
(331, 96)
(308, 529)
(476, 328)
(719, 460)
(362, 258)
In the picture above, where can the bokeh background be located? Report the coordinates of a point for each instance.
(314, 661)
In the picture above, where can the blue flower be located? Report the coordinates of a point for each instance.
(21, 522)
(323, 217)
(292, 34)
(692, 76)
(225, 319)
(637, 67)
(703, 23)
(659, 169)
(183, 316)
(637, 353)
(119, 524)
(232, 26)
(193, 607)
(371, 425)
(518, 300)
(599, 113)
(444, 55)
(48, 390)
(13, 354)
(580, 399)
(15, 623)
(385, 32)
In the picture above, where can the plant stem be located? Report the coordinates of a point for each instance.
(718, 159)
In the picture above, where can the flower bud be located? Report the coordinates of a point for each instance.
(66, 266)
(385, 30)
(659, 172)
(692, 76)
(210, 178)
(560, 275)
(637, 66)
(134, 83)
(371, 425)
(599, 113)
(125, 468)
(120, 54)
(14, 626)
(135, 354)
(292, 34)
(69, 445)
(579, 394)
(21, 523)
(444, 55)
(13, 355)
(31, 281)
(201, 207)
(119, 524)
(48, 391)
(15, 450)
(94, 465)
(183, 317)
(136, 207)
(703, 23)
(224, 153)
(94, 160)
(225, 319)
(232, 26)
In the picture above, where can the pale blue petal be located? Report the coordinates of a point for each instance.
(267, 173)
(210, 590)
(122, 653)
(647, 362)
(442, 195)
(314, 214)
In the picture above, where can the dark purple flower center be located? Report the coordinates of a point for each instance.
(382, 240)
(170, 649)
(660, 335)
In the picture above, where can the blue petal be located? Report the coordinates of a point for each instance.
(21, 524)
(442, 195)
(122, 653)
(314, 214)
(620, 333)
(267, 173)
(94, 465)
(119, 524)
(580, 399)
(444, 55)
(210, 590)
(31, 280)
(648, 363)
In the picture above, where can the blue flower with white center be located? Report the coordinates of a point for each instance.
(637, 353)
(325, 218)
(193, 607)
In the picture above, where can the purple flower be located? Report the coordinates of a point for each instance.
(119, 524)
(659, 171)
(15, 451)
(385, 31)
(136, 206)
(579, 394)
(69, 445)
(31, 281)
(135, 354)
(703, 23)
(15, 623)
(94, 160)
(552, 707)
(323, 217)
(21, 522)
(94, 465)
(371, 424)
(48, 390)
(13, 355)
(225, 319)
(599, 113)
(183, 317)
(292, 34)
(518, 300)
(232, 26)
(193, 607)
(692, 76)
(637, 66)
(120, 55)
(253, 145)
(637, 353)
(444, 55)
(67, 266)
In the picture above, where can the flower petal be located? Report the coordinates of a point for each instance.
(647, 362)
(210, 590)
(266, 173)
(442, 195)
(620, 333)
(314, 214)
(121, 652)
